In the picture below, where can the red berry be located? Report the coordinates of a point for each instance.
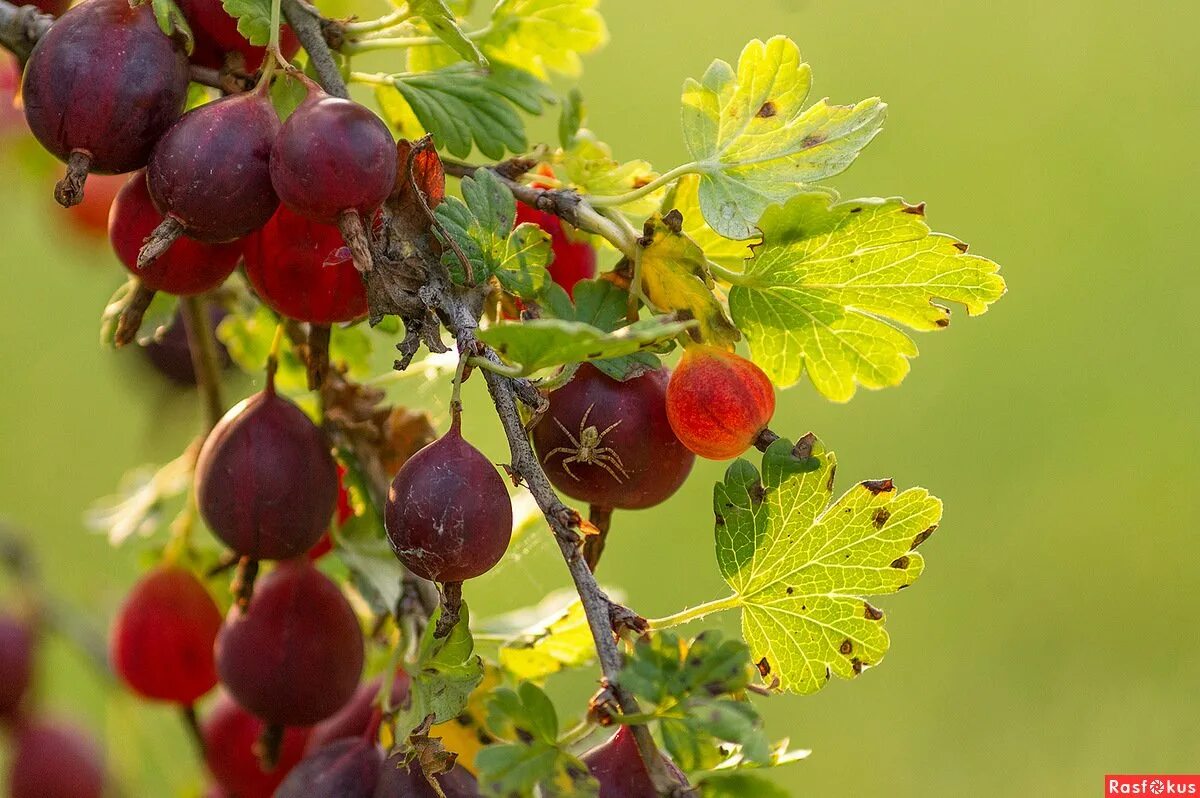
(55, 7)
(303, 270)
(608, 442)
(16, 664)
(187, 268)
(354, 719)
(294, 655)
(216, 34)
(266, 482)
(573, 260)
(210, 173)
(230, 736)
(347, 768)
(619, 768)
(399, 778)
(52, 760)
(718, 402)
(333, 156)
(90, 217)
(163, 635)
(101, 87)
(448, 515)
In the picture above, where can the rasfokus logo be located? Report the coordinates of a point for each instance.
(1155, 784)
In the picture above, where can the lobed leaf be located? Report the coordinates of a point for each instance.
(253, 19)
(801, 563)
(603, 305)
(544, 36)
(441, 20)
(728, 252)
(562, 641)
(541, 343)
(755, 143)
(830, 284)
(446, 672)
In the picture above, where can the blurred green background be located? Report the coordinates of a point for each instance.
(1053, 636)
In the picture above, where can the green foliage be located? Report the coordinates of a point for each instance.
(754, 142)
(140, 505)
(542, 343)
(801, 563)
(532, 759)
(363, 548)
(172, 22)
(254, 19)
(827, 279)
(482, 226)
(728, 252)
(551, 645)
(446, 671)
(442, 22)
(461, 105)
(603, 305)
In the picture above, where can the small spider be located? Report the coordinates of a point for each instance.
(588, 449)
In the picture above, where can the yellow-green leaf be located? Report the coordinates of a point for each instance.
(727, 252)
(755, 143)
(542, 36)
(675, 276)
(827, 280)
(588, 166)
(801, 563)
(561, 641)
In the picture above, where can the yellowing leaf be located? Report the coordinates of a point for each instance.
(562, 641)
(675, 277)
(754, 142)
(827, 280)
(800, 564)
(727, 252)
(542, 36)
(589, 167)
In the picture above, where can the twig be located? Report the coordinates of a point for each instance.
(205, 361)
(306, 24)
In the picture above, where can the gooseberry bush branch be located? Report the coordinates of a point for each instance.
(334, 222)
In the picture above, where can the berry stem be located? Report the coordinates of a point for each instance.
(318, 355)
(593, 545)
(159, 241)
(356, 237)
(205, 361)
(130, 320)
(388, 20)
(268, 746)
(451, 609)
(398, 42)
(68, 192)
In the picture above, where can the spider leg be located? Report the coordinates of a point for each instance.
(566, 466)
(612, 473)
(586, 413)
(611, 427)
(567, 432)
(612, 457)
(560, 449)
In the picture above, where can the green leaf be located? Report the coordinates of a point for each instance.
(661, 669)
(588, 166)
(542, 343)
(247, 333)
(442, 22)
(562, 641)
(571, 118)
(800, 563)
(740, 785)
(172, 22)
(602, 305)
(446, 672)
(529, 714)
(482, 226)
(461, 105)
(756, 144)
(726, 252)
(543, 36)
(675, 276)
(828, 279)
(253, 19)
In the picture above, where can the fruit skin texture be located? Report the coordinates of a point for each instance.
(303, 270)
(294, 655)
(653, 463)
(216, 34)
(619, 768)
(573, 260)
(106, 80)
(211, 170)
(398, 781)
(718, 402)
(355, 718)
(186, 269)
(448, 515)
(266, 482)
(347, 768)
(230, 733)
(52, 760)
(162, 638)
(16, 664)
(332, 156)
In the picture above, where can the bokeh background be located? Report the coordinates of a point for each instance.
(1053, 637)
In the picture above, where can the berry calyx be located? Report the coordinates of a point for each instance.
(609, 443)
(16, 665)
(266, 482)
(573, 260)
(294, 654)
(718, 402)
(334, 162)
(163, 636)
(185, 268)
(53, 759)
(303, 270)
(617, 765)
(100, 88)
(399, 777)
(448, 514)
(210, 175)
(231, 735)
(347, 768)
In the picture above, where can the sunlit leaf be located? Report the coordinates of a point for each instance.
(727, 252)
(442, 22)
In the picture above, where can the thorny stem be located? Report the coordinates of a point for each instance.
(396, 42)
(205, 361)
(389, 20)
(694, 613)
